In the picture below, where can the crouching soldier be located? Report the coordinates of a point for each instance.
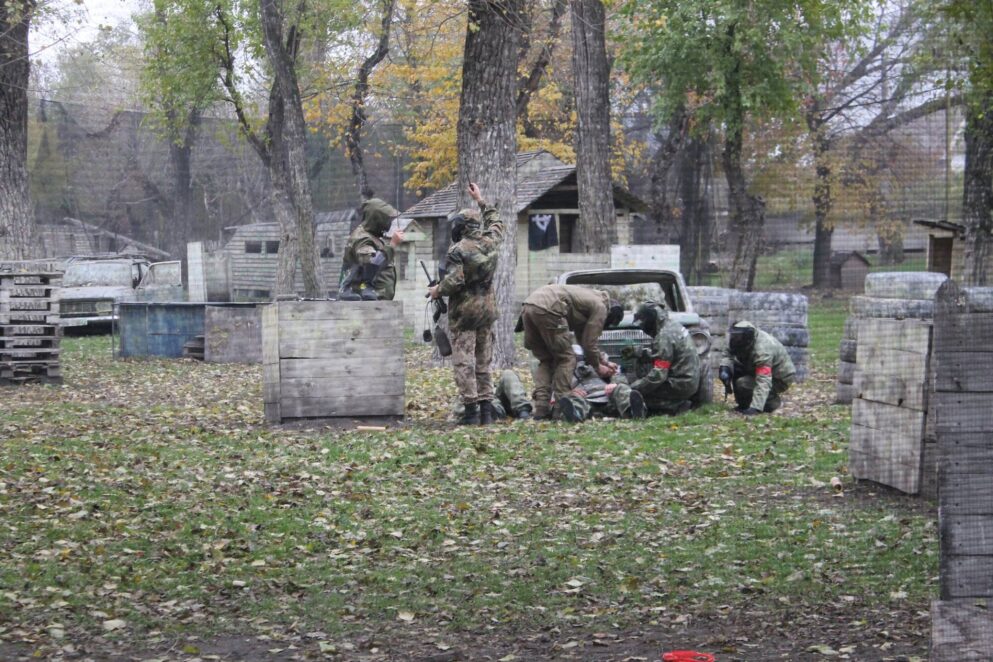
(510, 399)
(549, 318)
(757, 368)
(368, 271)
(669, 371)
(592, 396)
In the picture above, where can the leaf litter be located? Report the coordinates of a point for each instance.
(146, 502)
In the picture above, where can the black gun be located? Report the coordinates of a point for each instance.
(440, 308)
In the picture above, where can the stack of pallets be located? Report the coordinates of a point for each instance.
(29, 328)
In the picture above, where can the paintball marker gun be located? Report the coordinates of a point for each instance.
(439, 336)
(725, 377)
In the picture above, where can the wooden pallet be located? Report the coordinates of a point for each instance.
(30, 333)
(28, 279)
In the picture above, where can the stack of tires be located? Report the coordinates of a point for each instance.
(888, 295)
(711, 304)
(782, 315)
(847, 353)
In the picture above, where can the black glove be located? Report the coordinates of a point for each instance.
(750, 411)
(725, 376)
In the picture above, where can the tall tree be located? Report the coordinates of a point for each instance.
(16, 210)
(487, 137)
(596, 229)
(729, 62)
(217, 49)
(972, 23)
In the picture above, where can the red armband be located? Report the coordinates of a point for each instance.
(662, 365)
(763, 370)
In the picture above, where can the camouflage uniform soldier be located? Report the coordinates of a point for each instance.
(367, 268)
(550, 317)
(669, 372)
(472, 261)
(758, 366)
(511, 399)
(592, 396)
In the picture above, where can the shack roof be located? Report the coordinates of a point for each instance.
(538, 172)
(839, 258)
(940, 225)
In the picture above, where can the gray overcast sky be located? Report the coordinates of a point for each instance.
(50, 36)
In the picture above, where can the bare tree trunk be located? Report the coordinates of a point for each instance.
(823, 231)
(353, 136)
(182, 208)
(487, 138)
(747, 216)
(694, 178)
(596, 229)
(977, 197)
(661, 165)
(529, 84)
(16, 210)
(287, 133)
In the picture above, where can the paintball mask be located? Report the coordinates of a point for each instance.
(615, 313)
(650, 317)
(741, 339)
(461, 222)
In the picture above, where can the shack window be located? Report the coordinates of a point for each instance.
(327, 250)
(253, 247)
(271, 247)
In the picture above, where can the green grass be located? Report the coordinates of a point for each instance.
(151, 491)
(793, 268)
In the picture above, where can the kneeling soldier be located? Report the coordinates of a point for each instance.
(759, 368)
(669, 372)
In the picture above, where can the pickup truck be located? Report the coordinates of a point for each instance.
(92, 285)
(631, 287)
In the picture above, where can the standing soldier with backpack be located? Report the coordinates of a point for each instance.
(368, 271)
(472, 311)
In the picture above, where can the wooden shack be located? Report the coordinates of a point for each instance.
(848, 271)
(547, 209)
(244, 265)
(945, 247)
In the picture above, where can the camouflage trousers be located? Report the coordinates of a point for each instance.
(618, 404)
(744, 386)
(668, 400)
(510, 397)
(548, 337)
(472, 353)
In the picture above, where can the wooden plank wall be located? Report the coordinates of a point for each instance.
(232, 334)
(891, 401)
(325, 359)
(963, 360)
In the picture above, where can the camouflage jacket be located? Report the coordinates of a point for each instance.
(471, 264)
(768, 361)
(672, 359)
(584, 309)
(367, 239)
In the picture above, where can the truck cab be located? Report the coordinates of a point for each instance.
(93, 285)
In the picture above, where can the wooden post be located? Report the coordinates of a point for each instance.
(962, 627)
(328, 359)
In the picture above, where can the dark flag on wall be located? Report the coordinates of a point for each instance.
(541, 232)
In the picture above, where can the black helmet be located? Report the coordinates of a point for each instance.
(741, 339)
(651, 316)
(615, 313)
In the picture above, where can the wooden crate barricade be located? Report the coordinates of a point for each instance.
(962, 624)
(891, 402)
(30, 333)
(329, 359)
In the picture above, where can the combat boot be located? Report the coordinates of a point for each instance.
(524, 413)
(485, 412)
(638, 408)
(349, 295)
(471, 415)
